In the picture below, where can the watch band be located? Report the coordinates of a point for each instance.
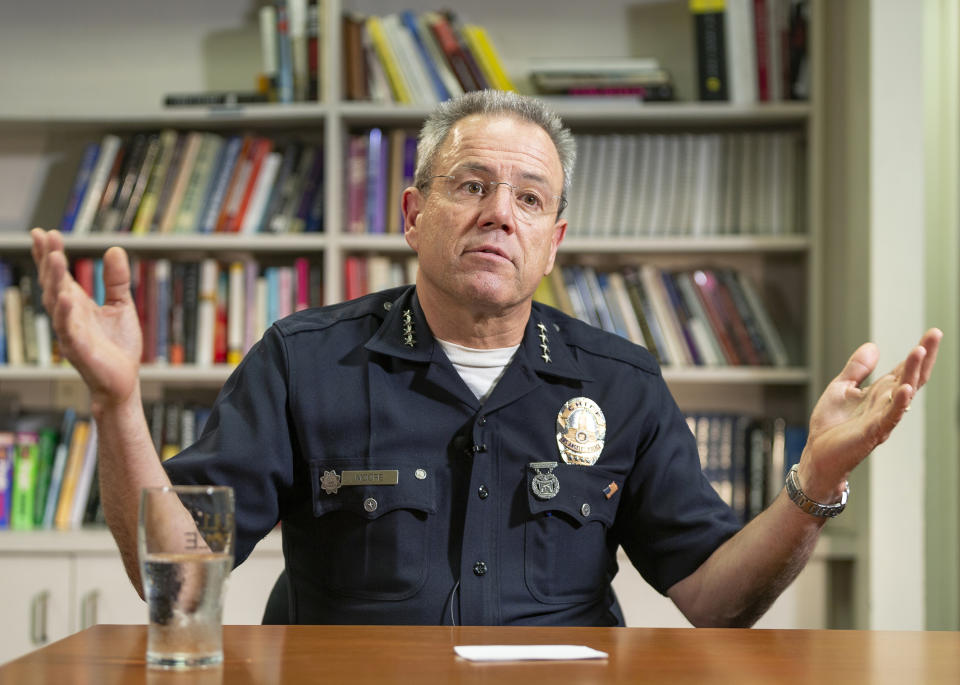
(795, 493)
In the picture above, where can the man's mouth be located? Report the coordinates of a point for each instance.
(489, 249)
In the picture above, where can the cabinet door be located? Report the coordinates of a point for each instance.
(35, 602)
(104, 593)
(250, 585)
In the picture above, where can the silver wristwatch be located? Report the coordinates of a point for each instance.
(808, 505)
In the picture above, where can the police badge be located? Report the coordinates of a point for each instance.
(581, 430)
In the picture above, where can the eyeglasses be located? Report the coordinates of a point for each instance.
(529, 202)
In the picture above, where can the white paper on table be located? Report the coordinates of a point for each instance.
(527, 652)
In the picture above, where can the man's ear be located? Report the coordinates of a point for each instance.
(411, 204)
(559, 231)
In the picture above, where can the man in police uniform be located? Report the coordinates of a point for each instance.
(454, 452)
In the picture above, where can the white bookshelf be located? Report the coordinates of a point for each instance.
(42, 136)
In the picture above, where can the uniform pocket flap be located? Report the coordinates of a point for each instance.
(371, 490)
(580, 492)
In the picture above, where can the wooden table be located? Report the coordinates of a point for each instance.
(108, 654)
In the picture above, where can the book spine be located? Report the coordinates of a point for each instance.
(24, 481)
(207, 311)
(109, 147)
(143, 220)
(284, 54)
(220, 185)
(711, 50)
(7, 457)
(235, 315)
(85, 170)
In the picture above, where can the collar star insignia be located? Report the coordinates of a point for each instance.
(407, 331)
(544, 343)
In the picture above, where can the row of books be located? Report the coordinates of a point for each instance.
(49, 463)
(196, 182)
(379, 165)
(640, 78)
(191, 312)
(686, 184)
(364, 274)
(752, 50)
(701, 317)
(48, 472)
(746, 458)
(419, 59)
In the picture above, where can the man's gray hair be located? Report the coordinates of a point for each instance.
(492, 102)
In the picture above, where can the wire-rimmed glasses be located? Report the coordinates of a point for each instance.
(530, 202)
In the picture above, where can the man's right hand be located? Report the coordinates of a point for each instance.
(103, 343)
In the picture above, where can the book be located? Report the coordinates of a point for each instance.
(84, 172)
(221, 310)
(206, 311)
(427, 55)
(708, 16)
(191, 303)
(159, 311)
(376, 180)
(140, 182)
(112, 217)
(409, 61)
(84, 479)
(354, 57)
(490, 63)
(171, 209)
(176, 349)
(267, 80)
(47, 438)
(24, 480)
(260, 195)
(237, 302)
(188, 214)
(220, 183)
(259, 151)
(13, 325)
(309, 190)
(385, 53)
(79, 437)
(8, 445)
(741, 51)
(452, 50)
(109, 148)
(215, 99)
(167, 144)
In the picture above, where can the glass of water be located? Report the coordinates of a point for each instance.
(186, 543)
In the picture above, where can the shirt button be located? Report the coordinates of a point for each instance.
(370, 504)
(482, 492)
(482, 421)
(585, 509)
(480, 568)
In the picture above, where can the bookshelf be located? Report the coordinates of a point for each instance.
(42, 136)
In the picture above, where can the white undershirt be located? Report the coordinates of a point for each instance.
(479, 369)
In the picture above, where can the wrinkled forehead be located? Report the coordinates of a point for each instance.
(504, 144)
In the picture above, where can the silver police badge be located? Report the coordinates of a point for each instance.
(581, 430)
(544, 485)
(330, 482)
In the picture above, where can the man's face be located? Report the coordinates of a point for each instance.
(486, 255)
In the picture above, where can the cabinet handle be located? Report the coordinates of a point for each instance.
(88, 609)
(38, 618)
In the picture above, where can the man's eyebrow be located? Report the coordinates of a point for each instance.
(484, 169)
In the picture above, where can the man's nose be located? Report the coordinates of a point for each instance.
(497, 209)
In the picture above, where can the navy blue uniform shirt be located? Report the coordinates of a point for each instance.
(464, 535)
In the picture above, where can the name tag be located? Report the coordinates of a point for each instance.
(377, 477)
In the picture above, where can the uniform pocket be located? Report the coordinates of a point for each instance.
(566, 555)
(372, 539)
